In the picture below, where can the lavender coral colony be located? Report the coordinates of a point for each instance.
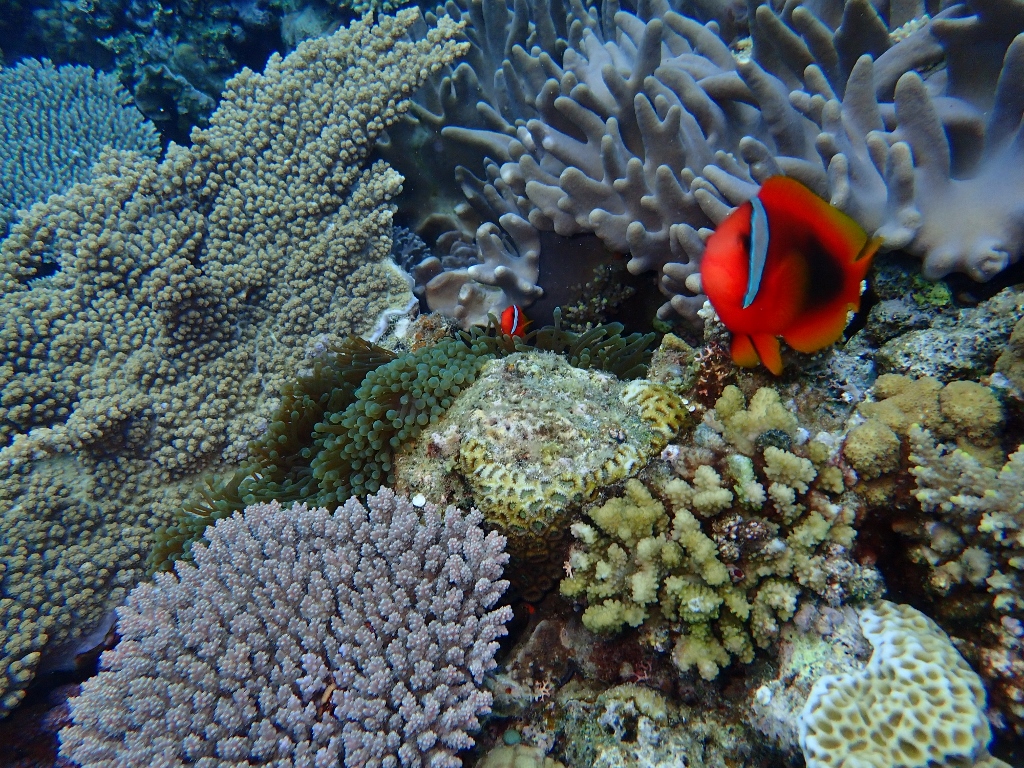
(531, 383)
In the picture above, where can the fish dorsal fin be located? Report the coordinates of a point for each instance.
(758, 250)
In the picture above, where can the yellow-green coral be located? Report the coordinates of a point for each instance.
(744, 424)
(723, 572)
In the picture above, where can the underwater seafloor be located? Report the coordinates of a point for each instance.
(267, 339)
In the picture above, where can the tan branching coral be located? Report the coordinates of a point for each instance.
(723, 552)
(187, 293)
(972, 543)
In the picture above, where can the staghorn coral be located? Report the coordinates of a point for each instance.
(722, 555)
(304, 637)
(916, 704)
(56, 121)
(186, 294)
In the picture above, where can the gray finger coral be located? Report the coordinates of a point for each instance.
(648, 129)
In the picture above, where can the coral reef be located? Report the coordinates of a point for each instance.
(917, 703)
(301, 636)
(820, 641)
(186, 294)
(175, 64)
(55, 122)
(633, 725)
(876, 445)
(972, 539)
(725, 563)
(337, 428)
(533, 439)
(645, 129)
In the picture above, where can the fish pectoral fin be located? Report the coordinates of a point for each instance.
(817, 331)
(768, 350)
(743, 352)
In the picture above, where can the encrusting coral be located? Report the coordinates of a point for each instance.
(533, 439)
(186, 294)
(726, 549)
(916, 704)
(305, 637)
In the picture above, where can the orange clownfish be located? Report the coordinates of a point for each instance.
(513, 321)
(786, 264)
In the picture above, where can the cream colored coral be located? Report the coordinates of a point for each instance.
(744, 425)
(517, 756)
(789, 469)
(917, 703)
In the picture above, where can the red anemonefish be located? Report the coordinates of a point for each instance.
(786, 264)
(513, 321)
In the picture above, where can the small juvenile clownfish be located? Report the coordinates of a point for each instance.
(786, 264)
(513, 321)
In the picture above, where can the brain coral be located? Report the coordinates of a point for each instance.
(917, 703)
(186, 294)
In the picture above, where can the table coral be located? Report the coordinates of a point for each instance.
(56, 121)
(186, 294)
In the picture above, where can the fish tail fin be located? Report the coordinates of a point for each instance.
(747, 351)
(742, 351)
(768, 350)
(870, 249)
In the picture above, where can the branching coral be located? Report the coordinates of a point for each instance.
(724, 554)
(358, 637)
(186, 294)
(974, 541)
